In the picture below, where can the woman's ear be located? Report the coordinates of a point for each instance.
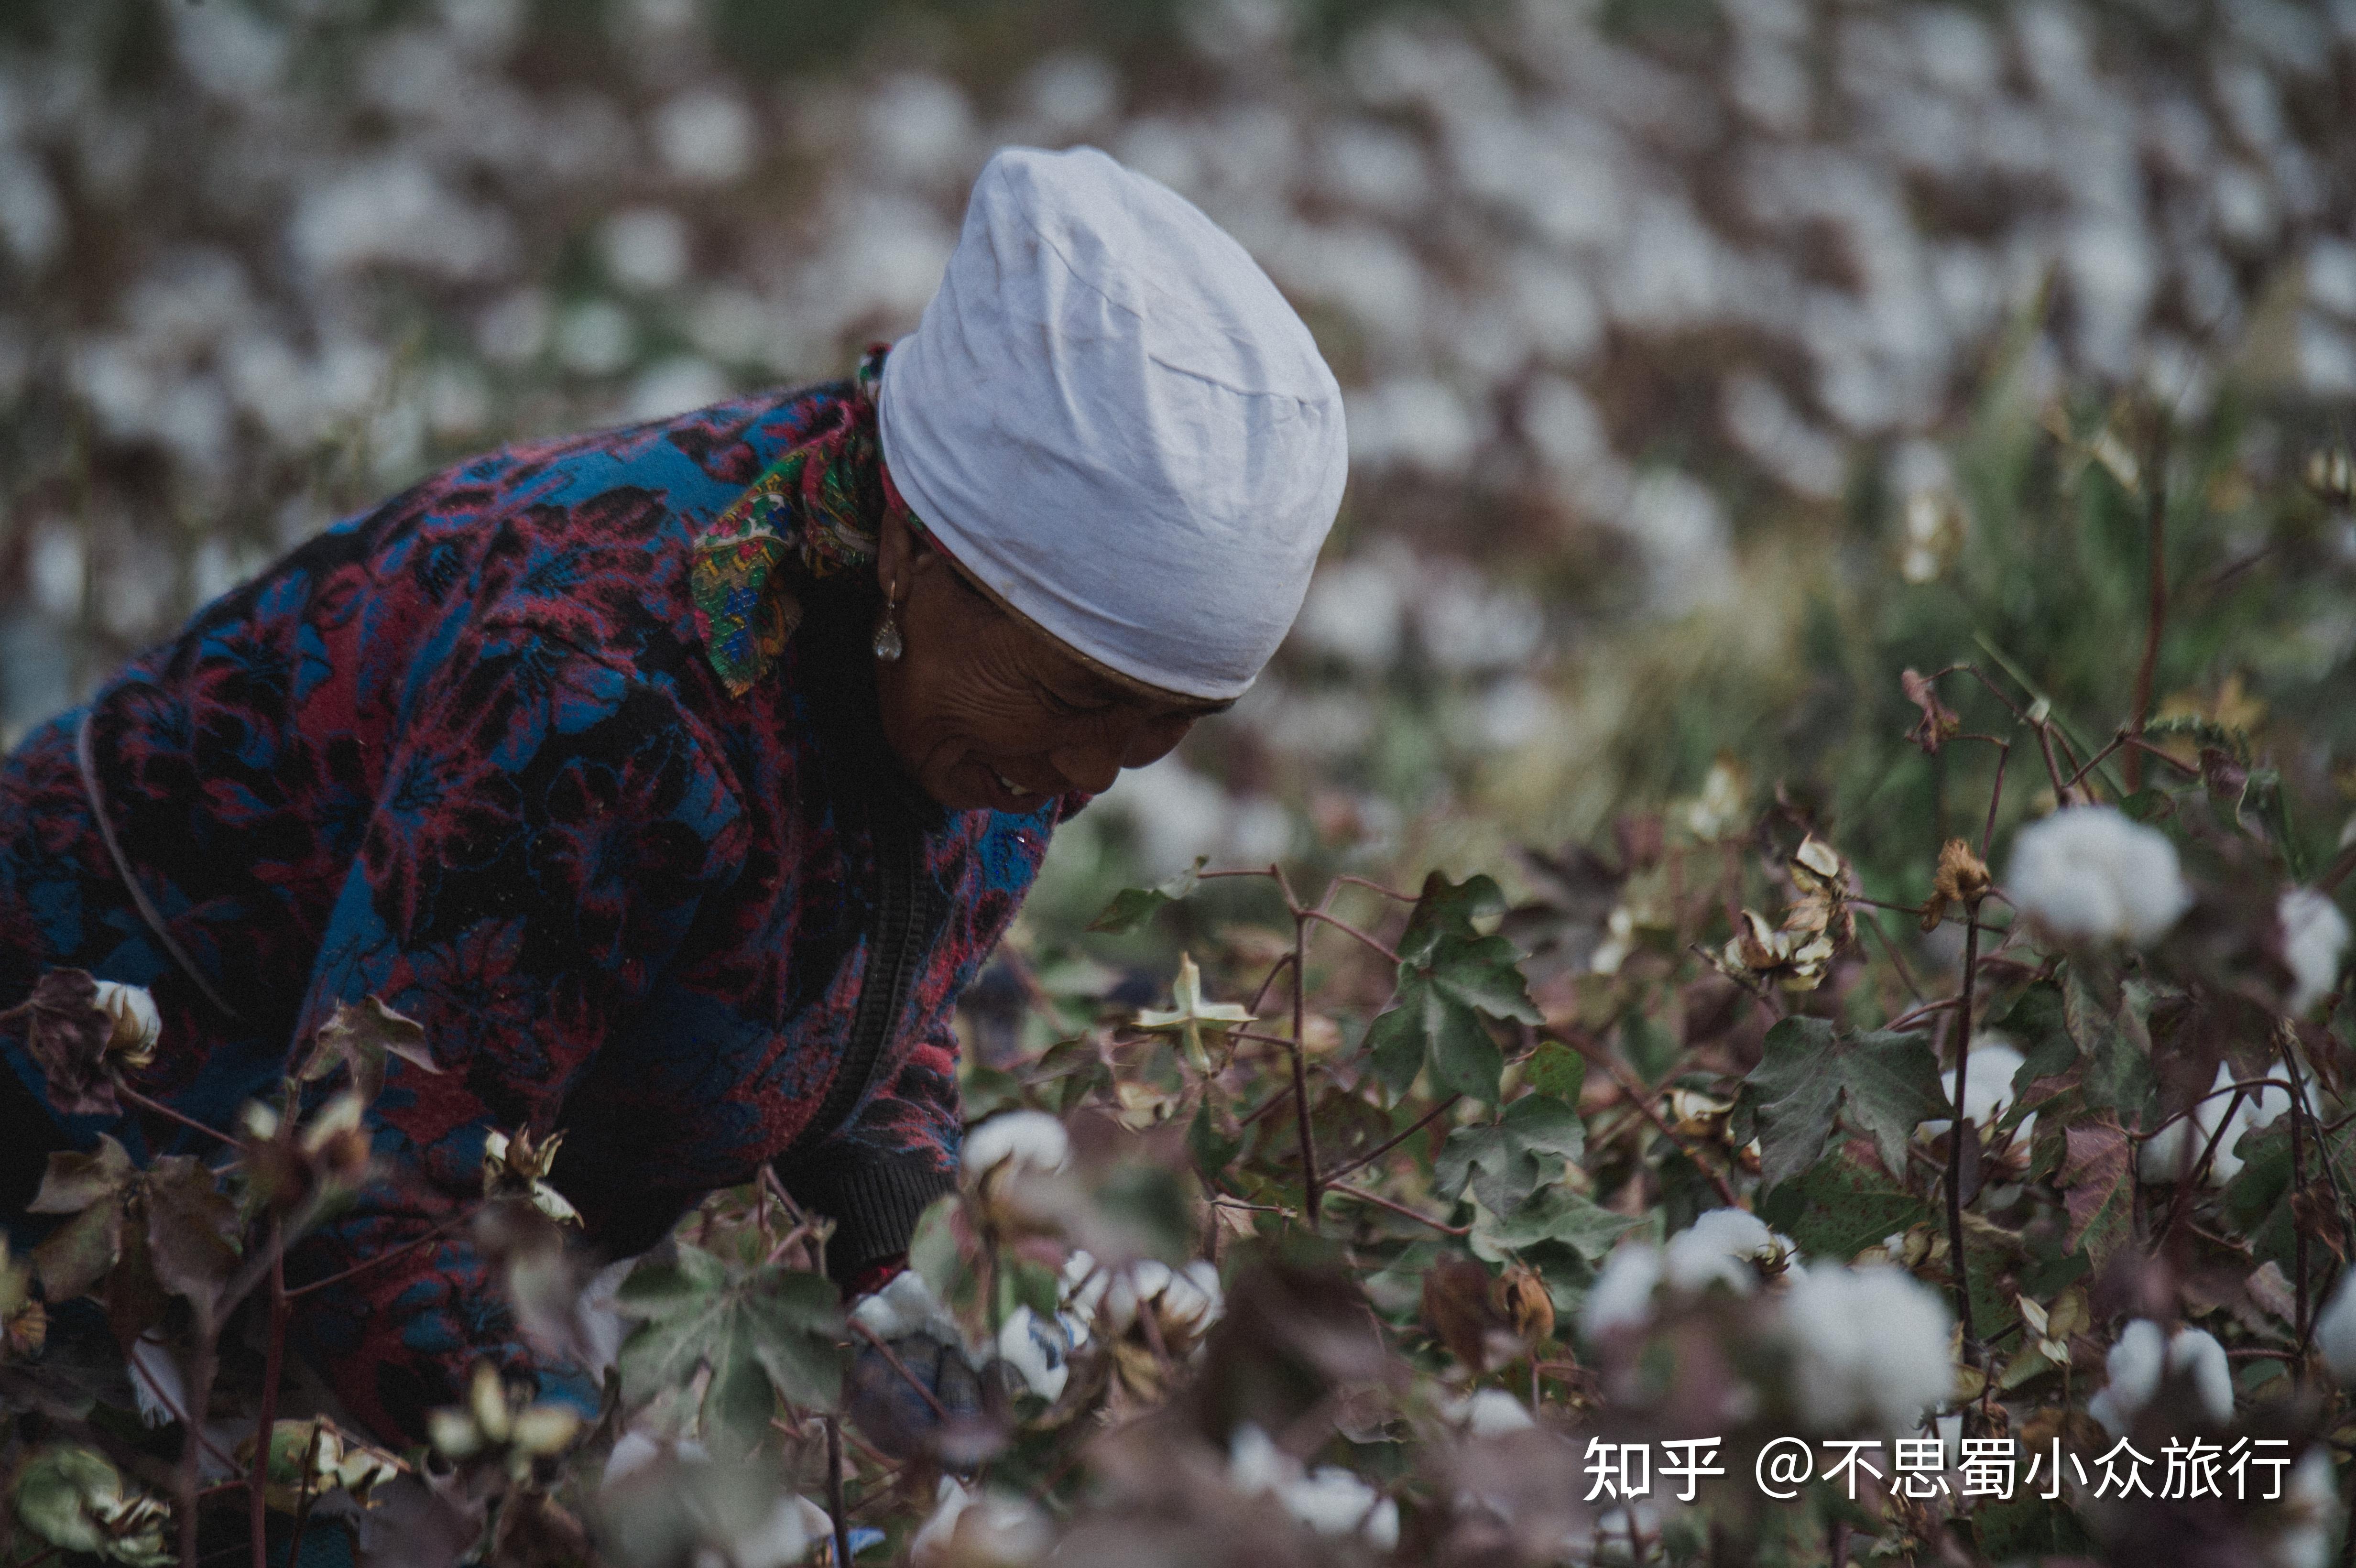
(898, 552)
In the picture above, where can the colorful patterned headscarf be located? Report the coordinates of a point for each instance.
(817, 510)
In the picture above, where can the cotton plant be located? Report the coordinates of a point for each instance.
(1871, 1349)
(1328, 1500)
(2314, 938)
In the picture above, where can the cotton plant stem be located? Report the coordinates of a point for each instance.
(2298, 1231)
(1343, 926)
(200, 1387)
(1402, 1211)
(2156, 533)
(274, 1359)
(892, 1358)
(303, 1497)
(1313, 1205)
(1642, 1099)
(2189, 1176)
(445, 1227)
(836, 1514)
(1338, 1172)
(1959, 1130)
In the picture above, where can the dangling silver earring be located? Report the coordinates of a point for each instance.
(887, 645)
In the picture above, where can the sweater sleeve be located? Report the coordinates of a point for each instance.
(897, 1153)
(544, 835)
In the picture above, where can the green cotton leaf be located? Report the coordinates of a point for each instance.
(1555, 1069)
(1649, 1049)
(702, 1311)
(1506, 1161)
(1132, 907)
(2038, 1024)
(1556, 1214)
(1810, 1074)
(2114, 1045)
(1842, 1204)
(1450, 978)
(75, 1181)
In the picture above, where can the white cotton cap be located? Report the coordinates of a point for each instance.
(1112, 418)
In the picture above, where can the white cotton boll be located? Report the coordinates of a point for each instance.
(515, 329)
(2087, 873)
(1356, 612)
(1987, 1088)
(1031, 1140)
(2335, 1329)
(595, 339)
(2135, 1366)
(783, 1535)
(1721, 1245)
(705, 135)
(1071, 92)
(1255, 1463)
(905, 1307)
(646, 248)
(1331, 1502)
(674, 385)
(1033, 1348)
(137, 1024)
(1871, 1348)
(1492, 1412)
(2162, 1157)
(2315, 934)
(983, 1526)
(1623, 1296)
(2312, 1500)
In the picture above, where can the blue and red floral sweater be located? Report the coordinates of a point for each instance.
(470, 754)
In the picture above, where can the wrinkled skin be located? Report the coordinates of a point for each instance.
(982, 699)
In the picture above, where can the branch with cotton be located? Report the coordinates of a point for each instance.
(2167, 1154)
(1731, 1247)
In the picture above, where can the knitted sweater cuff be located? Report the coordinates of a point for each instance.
(874, 1204)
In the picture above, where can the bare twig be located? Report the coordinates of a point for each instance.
(273, 1358)
(1642, 1099)
(1404, 1213)
(385, 1257)
(1393, 1142)
(1961, 1129)
(892, 1359)
(2156, 534)
(837, 1514)
(1346, 928)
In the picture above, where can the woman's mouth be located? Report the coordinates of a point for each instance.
(1008, 784)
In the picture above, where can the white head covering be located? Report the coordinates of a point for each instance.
(1110, 416)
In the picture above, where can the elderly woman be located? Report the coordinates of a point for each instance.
(677, 779)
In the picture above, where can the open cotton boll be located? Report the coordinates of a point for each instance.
(2315, 934)
(1987, 1088)
(905, 1307)
(1331, 1502)
(2311, 1501)
(1028, 1140)
(2136, 1361)
(1036, 1347)
(1623, 1296)
(1871, 1348)
(1723, 1245)
(1487, 1413)
(2335, 1329)
(971, 1527)
(2087, 873)
(137, 1024)
(2162, 1157)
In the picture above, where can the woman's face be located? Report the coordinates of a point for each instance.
(986, 710)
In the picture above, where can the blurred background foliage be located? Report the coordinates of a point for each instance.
(1708, 360)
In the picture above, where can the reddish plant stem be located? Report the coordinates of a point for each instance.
(1400, 1210)
(1960, 1130)
(1897, 962)
(2298, 1231)
(200, 1389)
(2189, 1176)
(1995, 794)
(1301, 1067)
(1642, 1099)
(1378, 887)
(272, 1363)
(365, 1264)
(2156, 531)
(1344, 926)
(1393, 1142)
(836, 1514)
(158, 1107)
(303, 1497)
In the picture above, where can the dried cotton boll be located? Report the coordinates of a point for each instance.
(2315, 934)
(2135, 1365)
(1871, 1348)
(2335, 1329)
(2088, 874)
